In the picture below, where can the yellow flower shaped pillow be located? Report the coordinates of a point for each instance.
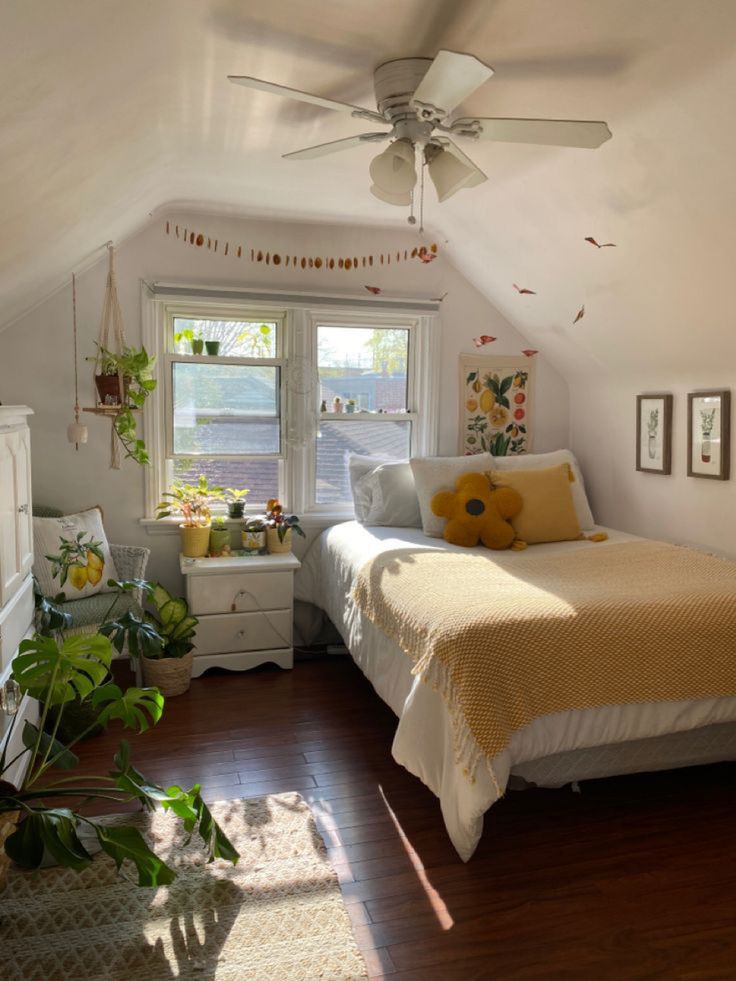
(476, 512)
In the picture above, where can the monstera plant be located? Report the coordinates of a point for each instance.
(56, 670)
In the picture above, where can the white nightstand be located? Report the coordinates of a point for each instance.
(245, 606)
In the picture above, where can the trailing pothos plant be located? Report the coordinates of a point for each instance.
(135, 365)
(56, 670)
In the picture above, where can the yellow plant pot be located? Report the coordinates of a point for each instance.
(275, 546)
(195, 541)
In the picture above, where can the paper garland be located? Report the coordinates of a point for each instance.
(424, 253)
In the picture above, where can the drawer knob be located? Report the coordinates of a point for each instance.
(23, 509)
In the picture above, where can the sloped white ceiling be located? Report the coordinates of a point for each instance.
(110, 109)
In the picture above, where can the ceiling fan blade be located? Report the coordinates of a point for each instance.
(315, 100)
(450, 78)
(548, 132)
(323, 149)
(478, 177)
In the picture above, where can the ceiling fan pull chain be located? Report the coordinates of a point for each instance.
(411, 219)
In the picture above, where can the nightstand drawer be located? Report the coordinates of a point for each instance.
(248, 591)
(224, 633)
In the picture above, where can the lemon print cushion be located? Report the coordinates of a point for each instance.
(72, 555)
(475, 512)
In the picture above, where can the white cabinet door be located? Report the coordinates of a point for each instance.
(10, 574)
(16, 520)
(24, 507)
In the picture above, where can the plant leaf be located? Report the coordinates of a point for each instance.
(123, 843)
(81, 664)
(63, 757)
(132, 706)
(25, 845)
(53, 830)
(189, 806)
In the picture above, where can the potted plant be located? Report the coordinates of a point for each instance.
(162, 641)
(236, 501)
(192, 502)
(196, 344)
(253, 536)
(219, 537)
(126, 380)
(337, 404)
(350, 406)
(212, 348)
(108, 381)
(280, 527)
(33, 825)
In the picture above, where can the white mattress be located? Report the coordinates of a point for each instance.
(424, 737)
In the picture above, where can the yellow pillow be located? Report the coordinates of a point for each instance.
(548, 510)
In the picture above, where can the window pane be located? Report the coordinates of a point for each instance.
(338, 439)
(260, 476)
(365, 364)
(237, 338)
(225, 408)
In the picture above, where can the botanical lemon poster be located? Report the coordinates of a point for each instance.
(72, 555)
(495, 405)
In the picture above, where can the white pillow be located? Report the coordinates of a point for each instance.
(539, 461)
(393, 496)
(436, 473)
(80, 569)
(358, 467)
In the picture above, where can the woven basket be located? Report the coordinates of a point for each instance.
(8, 823)
(171, 675)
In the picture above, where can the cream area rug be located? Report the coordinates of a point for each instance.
(277, 915)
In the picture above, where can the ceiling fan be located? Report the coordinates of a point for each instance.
(415, 98)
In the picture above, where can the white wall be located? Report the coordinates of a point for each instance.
(676, 508)
(36, 364)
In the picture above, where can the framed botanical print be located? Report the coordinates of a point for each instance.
(709, 434)
(495, 404)
(654, 433)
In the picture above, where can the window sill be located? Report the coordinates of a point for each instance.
(170, 526)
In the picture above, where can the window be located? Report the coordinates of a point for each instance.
(367, 370)
(247, 395)
(224, 398)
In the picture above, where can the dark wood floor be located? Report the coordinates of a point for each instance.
(633, 878)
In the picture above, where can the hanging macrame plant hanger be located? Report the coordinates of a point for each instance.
(110, 388)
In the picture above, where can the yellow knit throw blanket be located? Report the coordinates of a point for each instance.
(508, 637)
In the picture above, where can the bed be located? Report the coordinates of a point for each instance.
(552, 750)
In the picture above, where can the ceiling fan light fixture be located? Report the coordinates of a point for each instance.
(393, 171)
(401, 200)
(449, 175)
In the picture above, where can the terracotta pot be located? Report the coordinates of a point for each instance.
(171, 675)
(195, 541)
(108, 386)
(8, 822)
(275, 546)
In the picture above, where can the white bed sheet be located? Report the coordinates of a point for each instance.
(424, 738)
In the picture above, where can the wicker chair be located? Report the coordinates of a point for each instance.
(88, 613)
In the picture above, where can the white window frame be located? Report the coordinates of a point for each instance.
(413, 415)
(298, 316)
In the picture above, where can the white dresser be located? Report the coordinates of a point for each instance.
(245, 607)
(16, 553)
